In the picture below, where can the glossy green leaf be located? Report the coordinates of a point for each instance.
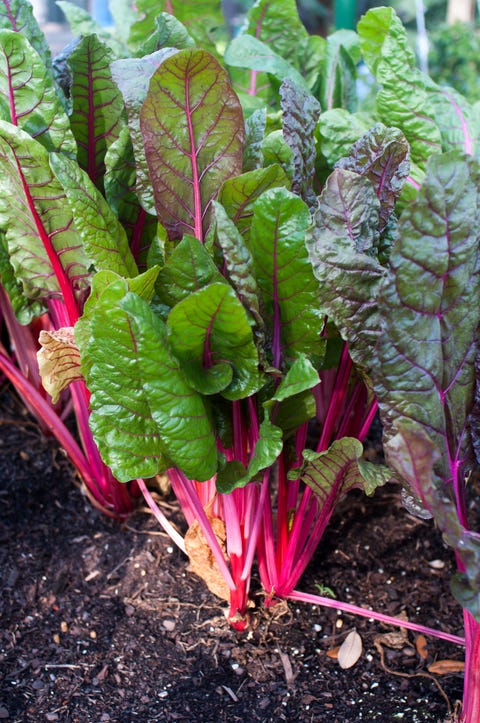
(301, 376)
(340, 247)
(24, 309)
(168, 33)
(210, 334)
(192, 125)
(333, 473)
(104, 239)
(143, 410)
(403, 100)
(97, 106)
(132, 76)
(28, 98)
(238, 194)
(338, 130)
(246, 51)
(189, 268)
(276, 151)
(44, 248)
(284, 275)
(382, 156)
(300, 114)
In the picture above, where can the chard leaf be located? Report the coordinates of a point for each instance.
(267, 450)
(28, 98)
(456, 119)
(210, 335)
(24, 309)
(277, 23)
(301, 112)
(343, 235)
(381, 155)
(403, 100)
(168, 33)
(338, 130)
(337, 470)
(189, 268)
(44, 248)
(310, 53)
(301, 377)
(255, 127)
(276, 151)
(58, 361)
(238, 194)
(246, 51)
(104, 239)
(124, 14)
(192, 126)
(82, 24)
(294, 411)
(284, 275)
(337, 81)
(97, 106)
(132, 76)
(429, 304)
(143, 410)
(17, 15)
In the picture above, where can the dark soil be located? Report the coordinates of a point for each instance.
(104, 623)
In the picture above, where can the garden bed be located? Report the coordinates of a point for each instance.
(104, 623)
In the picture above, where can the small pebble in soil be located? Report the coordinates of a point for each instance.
(169, 625)
(4, 713)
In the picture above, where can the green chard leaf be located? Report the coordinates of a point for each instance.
(145, 416)
(338, 78)
(192, 126)
(104, 239)
(124, 14)
(82, 24)
(456, 119)
(403, 100)
(28, 98)
(284, 275)
(277, 23)
(168, 33)
(132, 76)
(338, 130)
(246, 51)
(301, 112)
(343, 236)
(17, 15)
(97, 108)
(210, 335)
(429, 305)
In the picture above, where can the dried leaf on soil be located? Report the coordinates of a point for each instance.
(350, 650)
(421, 646)
(444, 667)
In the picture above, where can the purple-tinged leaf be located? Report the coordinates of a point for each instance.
(340, 247)
(284, 275)
(97, 106)
(429, 304)
(104, 239)
(300, 114)
(132, 76)
(44, 248)
(192, 125)
(238, 194)
(28, 98)
(456, 119)
(18, 15)
(145, 416)
(382, 156)
(255, 126)
(58, 361)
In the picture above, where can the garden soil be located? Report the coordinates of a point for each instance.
(104, 622)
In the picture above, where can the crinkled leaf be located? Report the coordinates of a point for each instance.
(340, 249)
(189, 268)
(333, 473)
(104, 239)
(97, 106)
(210, 335)
(192, 126)
(82, 24)
(429, 304)
(168, 33)
(338, 130)
(28, 98)
(403, 100)
(267, 449)
(284, 275)
(300, 114)
(24, 309)
(143, 410)
(44, 248)
(246, 51)
(238, 194)
(456, 119)
(18, 15)
(381, 155)
(58, 361)
(337, 81)
(132, 76)
(255, 127)
(277, 23)
(276, 152)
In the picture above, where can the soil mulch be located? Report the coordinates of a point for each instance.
(101, 622)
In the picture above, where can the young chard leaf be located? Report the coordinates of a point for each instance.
(337, 81)
(338, 130)
(192, 125)
(246, 51)
(143, 410)
(168, 33)
(210, 335)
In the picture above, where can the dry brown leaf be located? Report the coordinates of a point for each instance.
(396, 639)
(444, 667)
(350, 650)
(421, 646)
(333, 652)
(202, 560)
